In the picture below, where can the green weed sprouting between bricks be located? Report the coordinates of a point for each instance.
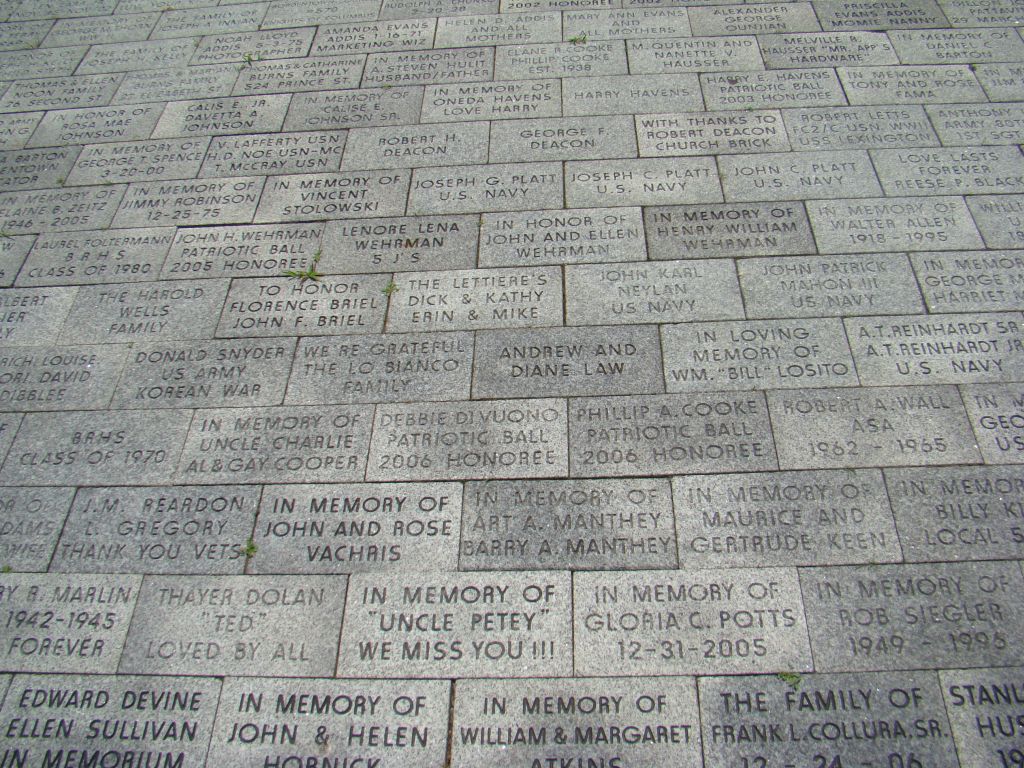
(6, 569)
(310, 273)
(390, 288)
(250, 549)
(579, 39)
(248, 59)
(792, 679)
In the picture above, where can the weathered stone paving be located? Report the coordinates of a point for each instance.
(525, 383)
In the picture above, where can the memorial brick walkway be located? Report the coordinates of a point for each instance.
(534, 383)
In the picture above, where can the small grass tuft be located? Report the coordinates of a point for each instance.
(250, 549)
(579, 39)
(248, 59)
(6, 569)
(390, 288)
(792, 679)
(309, 273)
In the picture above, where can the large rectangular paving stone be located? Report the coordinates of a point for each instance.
(354, 108)
(190, 202)
(65, 624)
(205, 374)
(13, 250)
(358, 528)
(825, 49)
(977, 124)
(784, 518)
(611, 360)
(829, 286)
(373, 37)
(563, 138)
(33, 519)
(94, 447)
(588, 59)
(981, 13)
(48, 9)
(777, 88)
(205, 21)
(499, 624)
(851, 14)
(131, 160)
(975, 281)
(144, 311)
(627, 23)
(573, 716)
(416, 146)
(496, 100)
(87, 713)
(887, 224)
(236, 625)
(247, 48)
(799, 176)
(274, 154)
(727, 230)
(36, 168)
(702, 133)
(580, 235)
(42, 62)
(995, 411)
(766, 354)
(957, 46)
(59, 210)
(670, 434)
(218, 117)
(694, 621)
(25, 34)
(401, 244)
(663, 292)
(940, 171)
(646, 182)
(1000, 218)
(58, 378)
(498, 29)
(17, 129)
(481, 188)
(753, 18)
(287, 444)
(871, 718)
(937, 349)
(984, 710)
(157, 530)
(295, 13)
(967, 513)
(60, 93)
(298, 75)
(466, 300)
(333, 195)
(1002, 82)
(871, 427)
(245, 251)
(274, 306)
(176, 83)
(693, 54)
(96, 124)
(929, 84)
(382, 368)
(440, 65)
(415, 9)
(469, 440)
(127, 57)
(33, 316)
(94, 30)
(375, 722)
(838, 128)
(629, 94)
(914, 616)
(577, 524)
